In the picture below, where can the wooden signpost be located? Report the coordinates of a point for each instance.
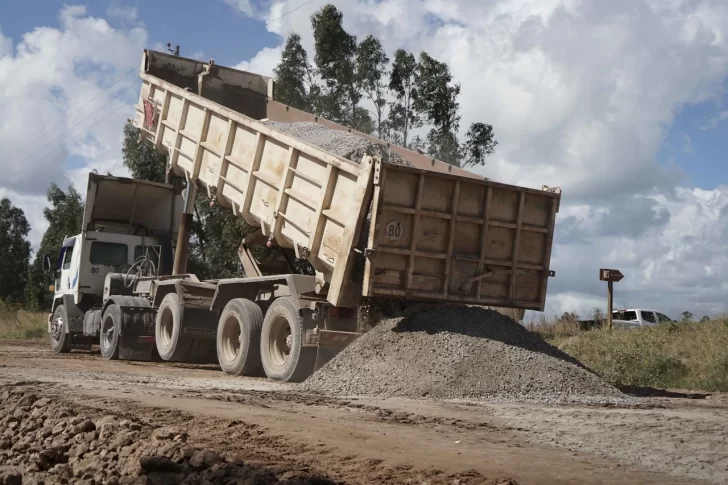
(610, 276)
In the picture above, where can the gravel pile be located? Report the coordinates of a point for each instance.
(43, 441)
(452, 352)
(342, 143)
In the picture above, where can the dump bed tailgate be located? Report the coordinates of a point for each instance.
(437, 237)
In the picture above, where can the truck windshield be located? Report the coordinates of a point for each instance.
(140, 251)
(624, 315)
(113, 254)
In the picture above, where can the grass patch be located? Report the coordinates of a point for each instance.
(691, 356)
(16, 323)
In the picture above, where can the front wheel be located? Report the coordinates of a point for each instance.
(60, 339)
(281, 344)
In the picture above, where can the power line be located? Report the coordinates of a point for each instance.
(290, 11)
(83, 132)
(73, 112)
(233, 5)
(123, 92)
(71, 128)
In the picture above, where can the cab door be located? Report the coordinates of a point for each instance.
(68, 272)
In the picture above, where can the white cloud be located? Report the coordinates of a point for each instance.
(581, 94)
(263, 63)
(65, 94)
(244, 7)
(6, 45)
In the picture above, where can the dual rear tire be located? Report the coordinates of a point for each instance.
(171, 344)
(250, 344)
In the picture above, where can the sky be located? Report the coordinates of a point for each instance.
(622, 104)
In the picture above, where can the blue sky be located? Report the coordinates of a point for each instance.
(212, 29)
(210, 26)
(697, 147)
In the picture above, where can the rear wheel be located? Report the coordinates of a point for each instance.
(60, 340)
(171, 344)
(109, 334)
(238, 338)
(282, 352)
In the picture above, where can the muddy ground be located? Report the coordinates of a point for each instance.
(78, 419)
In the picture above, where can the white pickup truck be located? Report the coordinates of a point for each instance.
(638, 317)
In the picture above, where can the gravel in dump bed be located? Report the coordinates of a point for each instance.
(342, 143)
(451, 352)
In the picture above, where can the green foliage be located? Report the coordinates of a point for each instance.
(672, 355)
(479, 143)
(371, 66)
(65, 217)
(14, 251)
(336, 62)
(16, 323)
(414, 93)
(141, 158)
(687, 316)
(437, 99)
(291, 74)
(403, 81)
(218, 237)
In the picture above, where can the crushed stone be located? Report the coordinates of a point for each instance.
(342, 143)
(459, 352)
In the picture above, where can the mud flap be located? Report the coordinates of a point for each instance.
(132, 347)
(81, 342)
(199, 323)
(330, 343)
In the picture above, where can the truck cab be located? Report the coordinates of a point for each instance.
(125, 220)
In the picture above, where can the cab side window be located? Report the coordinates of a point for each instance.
(67, 257)
(113, 254)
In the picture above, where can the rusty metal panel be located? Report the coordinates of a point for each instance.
(437, 237)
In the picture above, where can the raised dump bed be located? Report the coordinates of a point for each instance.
(416, 229)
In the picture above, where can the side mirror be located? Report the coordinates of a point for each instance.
(47, 265)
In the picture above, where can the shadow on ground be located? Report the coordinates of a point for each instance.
(652, 392)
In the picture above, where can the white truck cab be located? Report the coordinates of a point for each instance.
(124, 220)
(638, 317)
(85, 259)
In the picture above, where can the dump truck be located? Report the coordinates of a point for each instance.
(376, 225)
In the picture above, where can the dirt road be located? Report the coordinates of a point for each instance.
(270, 431)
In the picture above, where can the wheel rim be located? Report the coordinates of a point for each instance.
(57, 328)
(107, 332)
(280, 341)
(231, 339)
(166, 327)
